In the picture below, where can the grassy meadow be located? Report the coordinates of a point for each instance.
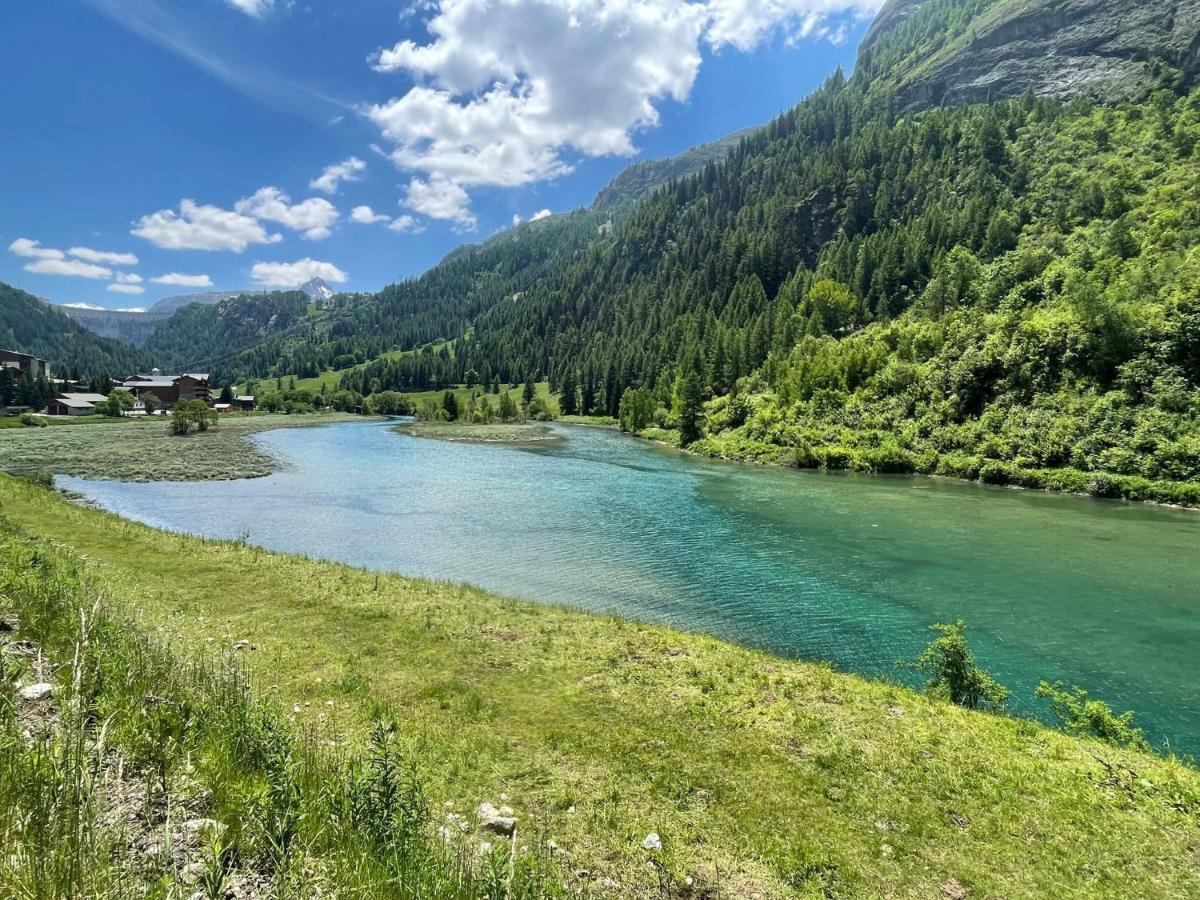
(761, 776)
(142, 449)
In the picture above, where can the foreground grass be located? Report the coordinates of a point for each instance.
(760, 775)
(135, 774)
(142, 449)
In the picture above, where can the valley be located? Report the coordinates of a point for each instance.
(677, 545)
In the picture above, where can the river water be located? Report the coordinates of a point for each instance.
(840, 567)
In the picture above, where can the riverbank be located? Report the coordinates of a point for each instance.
(768, 776)
(734, 447)
(142, 449)
(495, 433)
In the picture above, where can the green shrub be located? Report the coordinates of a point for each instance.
(1080, 714)
(953, 672)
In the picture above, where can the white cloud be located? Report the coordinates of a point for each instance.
(312, 217)
(131, 309)
(34, 249)
(128, 278)
(506, 92)
(744, 23)
(364, 215)
(126, 289)
(440, 198)
(101, 257)
(347, 170)
(73, 268)
(180, 280)
(197, 227)
(82, 306)
(540, 214)
(290, 275)
(255, 8)
(406, 225)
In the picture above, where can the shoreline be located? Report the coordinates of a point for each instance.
(937, 476)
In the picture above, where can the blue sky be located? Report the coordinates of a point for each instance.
(156, 147)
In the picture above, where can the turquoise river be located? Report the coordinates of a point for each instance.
(846, 568)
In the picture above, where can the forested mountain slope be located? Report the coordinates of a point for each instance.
(31, 325)
(208, 336)
(992, 290)
(445, 302)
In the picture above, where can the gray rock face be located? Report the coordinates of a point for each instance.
(1106, 49)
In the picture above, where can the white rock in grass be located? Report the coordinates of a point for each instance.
(652, 841)
(32, 693)
(493, 819)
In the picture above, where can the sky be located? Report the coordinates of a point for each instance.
(159, 147)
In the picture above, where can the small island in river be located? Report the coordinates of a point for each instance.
(494, 433)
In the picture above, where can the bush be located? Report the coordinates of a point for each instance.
(29, 420)
(953, 673)
(1082, 715)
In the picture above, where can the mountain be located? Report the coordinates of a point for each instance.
(641, 179)
(129, 327)
(470, 280)
(890, 277)
(170, 305)
(317, 289)
(208, 337)
(29, 324)
(137, 328)
(954, 52)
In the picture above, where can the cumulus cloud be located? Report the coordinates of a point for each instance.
(440, 198)
(364, 215)
(33, 249)
(197, 227)
(128, 278)
(506, 91)
(288, 275)
(347, 170)
(103, 258)
(540, 214)
(126, 289)
(72, 268)
(312, 217)
(255, 8)
(180, 280)
(406, 225)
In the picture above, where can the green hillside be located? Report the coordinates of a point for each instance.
(29, 324)
(226, 337)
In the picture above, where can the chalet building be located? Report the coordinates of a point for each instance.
(75, 404)
(244, 402)
(169, 389)
(24, 362)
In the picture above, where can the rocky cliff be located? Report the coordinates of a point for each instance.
(966, 51)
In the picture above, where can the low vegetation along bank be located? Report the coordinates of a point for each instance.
(637, 761)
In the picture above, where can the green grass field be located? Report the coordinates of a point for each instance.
(762, 776)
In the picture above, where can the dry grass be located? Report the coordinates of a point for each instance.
(142, 449)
